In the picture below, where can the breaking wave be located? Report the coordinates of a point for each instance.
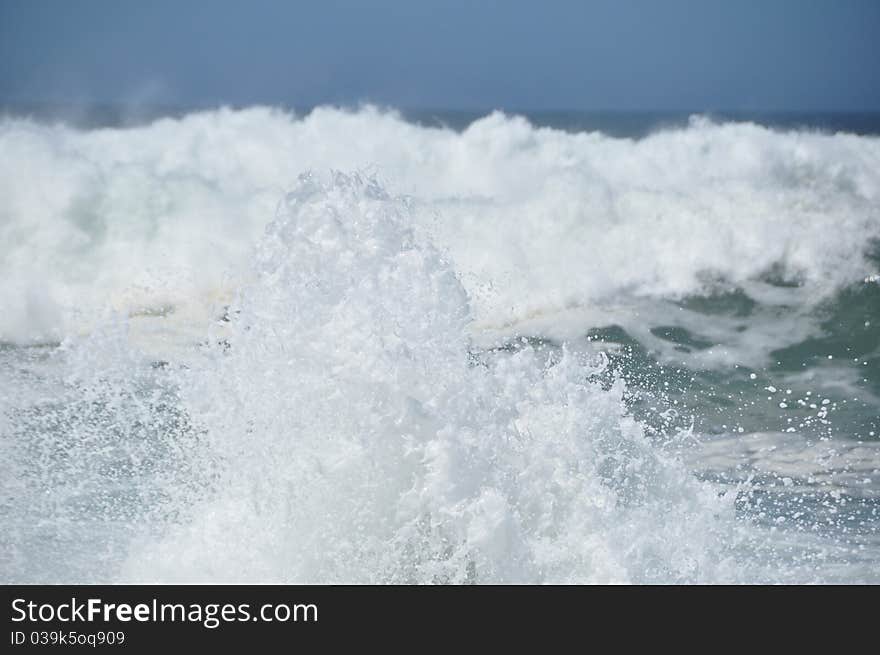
(549, 231)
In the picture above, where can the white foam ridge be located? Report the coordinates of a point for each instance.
(162, 219)
(351, 437)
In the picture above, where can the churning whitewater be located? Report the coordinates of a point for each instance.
(537, 220)
(503, 354)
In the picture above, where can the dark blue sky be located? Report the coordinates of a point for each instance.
(614, 54)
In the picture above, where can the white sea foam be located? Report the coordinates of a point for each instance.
(547, 230)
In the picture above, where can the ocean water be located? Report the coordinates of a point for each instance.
(256, 345)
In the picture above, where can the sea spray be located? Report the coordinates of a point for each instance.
(362, 443)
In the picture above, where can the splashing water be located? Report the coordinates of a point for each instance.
(360, 442)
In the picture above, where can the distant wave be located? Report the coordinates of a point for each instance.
(163, 218)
